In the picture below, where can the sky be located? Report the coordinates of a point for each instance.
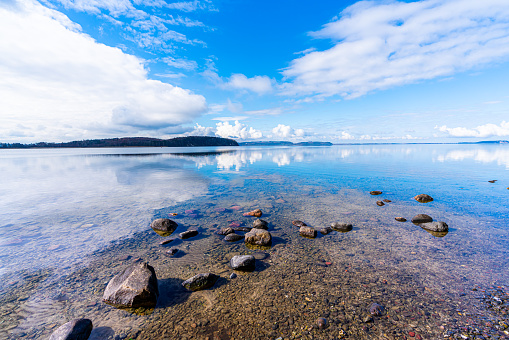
(294, 70)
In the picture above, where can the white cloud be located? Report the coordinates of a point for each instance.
(229, 119)
(285, 131)
(201, 131)
(64, 85)
(487, 130)
(238, 130)
(258, 84)
(180, 63)
(345, 136)
(378, 45)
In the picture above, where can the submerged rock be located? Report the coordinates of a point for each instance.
(165, 242)
(233, 237)
(422, 218)
(164, 226)
(225, 231)
(341, 227)
(386, 200)
(376, 309)
(135, 286)
(258, 237)
(423, 198)
(435, 226)
(200, 282)
(400, 219)
(260, 224)
(380, 203)
(77, 329)
(325, 230)
(243, 262)
(307, 232)
(375, 192)
(299, 224)
(244, 229)
(255, 213)
(172, 251)
(321, 323)
(188, 234)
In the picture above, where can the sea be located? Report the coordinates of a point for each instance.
(71, 219)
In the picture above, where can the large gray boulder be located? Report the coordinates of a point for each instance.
(135, 286)
(200, 281)
(258, 237)
(164, 226)
(243, 262)
(435, 226)
(77, 329)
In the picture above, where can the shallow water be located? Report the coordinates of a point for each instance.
(72, 219)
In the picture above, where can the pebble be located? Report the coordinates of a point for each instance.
(386, 200)
(423, 198)
(225, 231)
(233, 237)
(412, 334)
(299, 224)
(255, 213)
(172, 251)
(422, 218)
(233, 276)
(321, 323)
(380, 203)
(375, 309)
(400, 219)
(260, 224)
(188, 234)
(162, 243)
(326, 230)
(375, 192)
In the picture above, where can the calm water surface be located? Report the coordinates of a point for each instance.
(70, 219)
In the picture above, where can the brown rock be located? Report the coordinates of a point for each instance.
(376, 192)
(380, 203)
(225, 231)
(307, 232)
(298, 223)
(258, 237)
(233, 237)
(400, 219)
(423, 198)
(164, 226)
(422, 218)
(341, 227)
(255, 213)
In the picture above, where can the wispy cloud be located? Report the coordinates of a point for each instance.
(180, 63)
(379, 45)
(70, 87)
(483, 131)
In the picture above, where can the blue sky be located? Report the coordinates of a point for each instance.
(339, 71)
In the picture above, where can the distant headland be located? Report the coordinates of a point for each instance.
(129, 142)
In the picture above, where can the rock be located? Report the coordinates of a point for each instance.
(299, 224)
(367, 318)
(321, 323)
(258, 237)
(376, 192)
(77, 329)
(225, 231)
(376, 309)
(435, 226)
(244, 229)
(233, 237)
(423, 198)
(380, 203)
(400, 219)
(233, 276)
(386, 200)
(200, 281)
(260, 224)
(326, 230)
(234, 224)
(255, 213)
(188, 234)
(162, 243)
(307, 232)
(172, 251)
(243, 262)
(422, 218)
(135, 286)
(492, 181)
(164, 226)
(341, 227)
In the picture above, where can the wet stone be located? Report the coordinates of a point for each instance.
(307, 232)
(435, 226)
(233, 237)
(77, 329)
(375, 309)
(243, 229)
(164, 226)
(187, 234)
(380, 203)
(325, 230)
(260, 224)
(258, 237)
(321, 323)
(172, 251)
(423, 198)
(298, 223)
(400, 219)
(375, 192)
(422, 218)
(165, 242)
(255, 213)
(386, 200)
(200, 282)
(225, 231)
(243, 262)
(341, 227)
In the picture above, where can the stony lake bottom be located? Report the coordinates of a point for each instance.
(72, 219)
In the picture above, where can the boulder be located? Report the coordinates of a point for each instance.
(422, 218)
(164, 226)
(308, 232)
(435, 226)
(200, 282)
(423, 198)
(255, 213)
(341, 227)
(225, 231)
(258, 237)
(188, 234)
(77, 329)
(135, 286)
(243, 262)
(233, 237)
(260, 224)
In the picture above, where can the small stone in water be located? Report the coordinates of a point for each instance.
(234, 224)
(233, 276)
(423, 198)
(260, 224)
(326, 230)
(400, 219)
(166, 241)
(233, 237)
(255, 213)
(321, 323)
(188, 234)
(386, 200)
(225, 231)
(375, 192)
(412, 334)
(236, 207)
(380, 203)
(375, 309)
(172, 251)
(492, 181)
(299, 224)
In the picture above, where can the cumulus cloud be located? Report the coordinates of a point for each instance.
(378, 45)
(258, 84)
(285, 131)
(238, 130)
(487, 130)
(345, 136)
(64, 85)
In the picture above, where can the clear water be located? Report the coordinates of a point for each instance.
(71, 218)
